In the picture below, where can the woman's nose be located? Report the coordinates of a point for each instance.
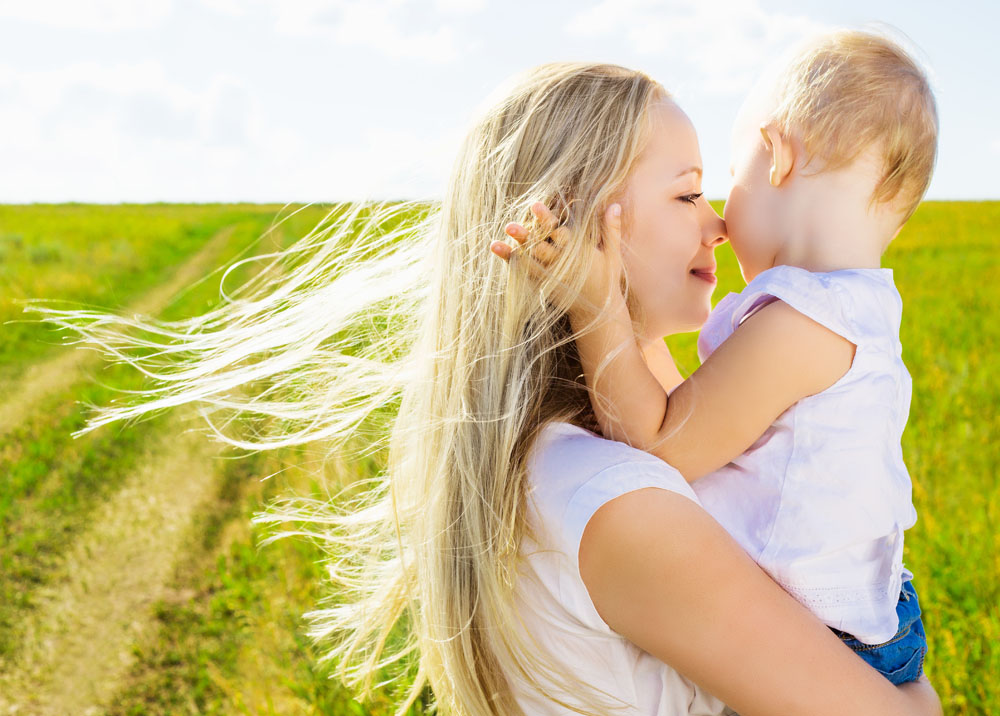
(713, 230)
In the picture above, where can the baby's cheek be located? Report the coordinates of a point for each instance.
(734, 202)
(739, 223)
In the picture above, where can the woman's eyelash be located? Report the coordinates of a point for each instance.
(691, 198)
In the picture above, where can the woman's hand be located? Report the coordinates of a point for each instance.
(549, 240)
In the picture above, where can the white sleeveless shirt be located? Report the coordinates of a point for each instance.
(571, 473)
(821, 500)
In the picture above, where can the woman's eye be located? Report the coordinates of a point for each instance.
(692, 198)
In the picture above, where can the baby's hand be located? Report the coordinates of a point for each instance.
(604, 277)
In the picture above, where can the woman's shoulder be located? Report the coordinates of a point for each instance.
(572, 472)
(566, 457)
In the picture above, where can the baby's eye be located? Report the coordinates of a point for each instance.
(691, 198)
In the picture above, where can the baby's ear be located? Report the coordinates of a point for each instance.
(782, 154)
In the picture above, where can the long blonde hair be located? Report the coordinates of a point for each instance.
(396, 324)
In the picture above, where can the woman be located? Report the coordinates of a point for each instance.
(621, 546)
(441, 569)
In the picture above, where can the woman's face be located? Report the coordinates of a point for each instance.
(671, 231)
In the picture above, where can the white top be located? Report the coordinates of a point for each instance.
(821, 500)
(571, 473)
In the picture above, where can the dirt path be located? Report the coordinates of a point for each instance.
(78, 641)
(67, 368)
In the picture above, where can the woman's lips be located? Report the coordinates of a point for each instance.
(705, 275)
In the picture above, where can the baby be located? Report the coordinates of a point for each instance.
(790, 430)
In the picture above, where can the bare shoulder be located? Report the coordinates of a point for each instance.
(785, 338)
(634, 540)
(782, 319)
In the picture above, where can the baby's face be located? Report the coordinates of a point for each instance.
(751, 211)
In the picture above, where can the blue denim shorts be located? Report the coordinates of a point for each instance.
(900, 659)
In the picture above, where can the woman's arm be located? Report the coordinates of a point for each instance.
(663, 574)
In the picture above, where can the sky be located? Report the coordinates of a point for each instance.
(327, 100)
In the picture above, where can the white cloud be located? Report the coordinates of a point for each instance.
(229, 114)
(381, 162)
(390, 27)
(128, 132)
(94, 131)
(42, 103)
(107, 16)
(460, 7)
(232, 8)
(724, 44)
(137, 98)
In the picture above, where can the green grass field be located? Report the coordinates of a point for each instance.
(157, 601)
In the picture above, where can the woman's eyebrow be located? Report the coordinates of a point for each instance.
(696, 169)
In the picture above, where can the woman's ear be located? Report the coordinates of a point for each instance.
(782, 154)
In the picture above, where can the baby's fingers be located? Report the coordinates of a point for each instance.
(547, 240)
(518, 256)
(520, 259)
(545, 219)
(546, 250)
(516, 231)
(501, 249)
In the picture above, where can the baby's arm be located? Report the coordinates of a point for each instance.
(661, 363)
(775, 358)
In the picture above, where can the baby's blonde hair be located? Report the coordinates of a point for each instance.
(850, 90)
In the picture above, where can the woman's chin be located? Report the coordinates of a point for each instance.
(698, 320)
(692, 326)
(687, 323)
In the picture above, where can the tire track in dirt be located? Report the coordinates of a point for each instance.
(78, 641)
(61, 372)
